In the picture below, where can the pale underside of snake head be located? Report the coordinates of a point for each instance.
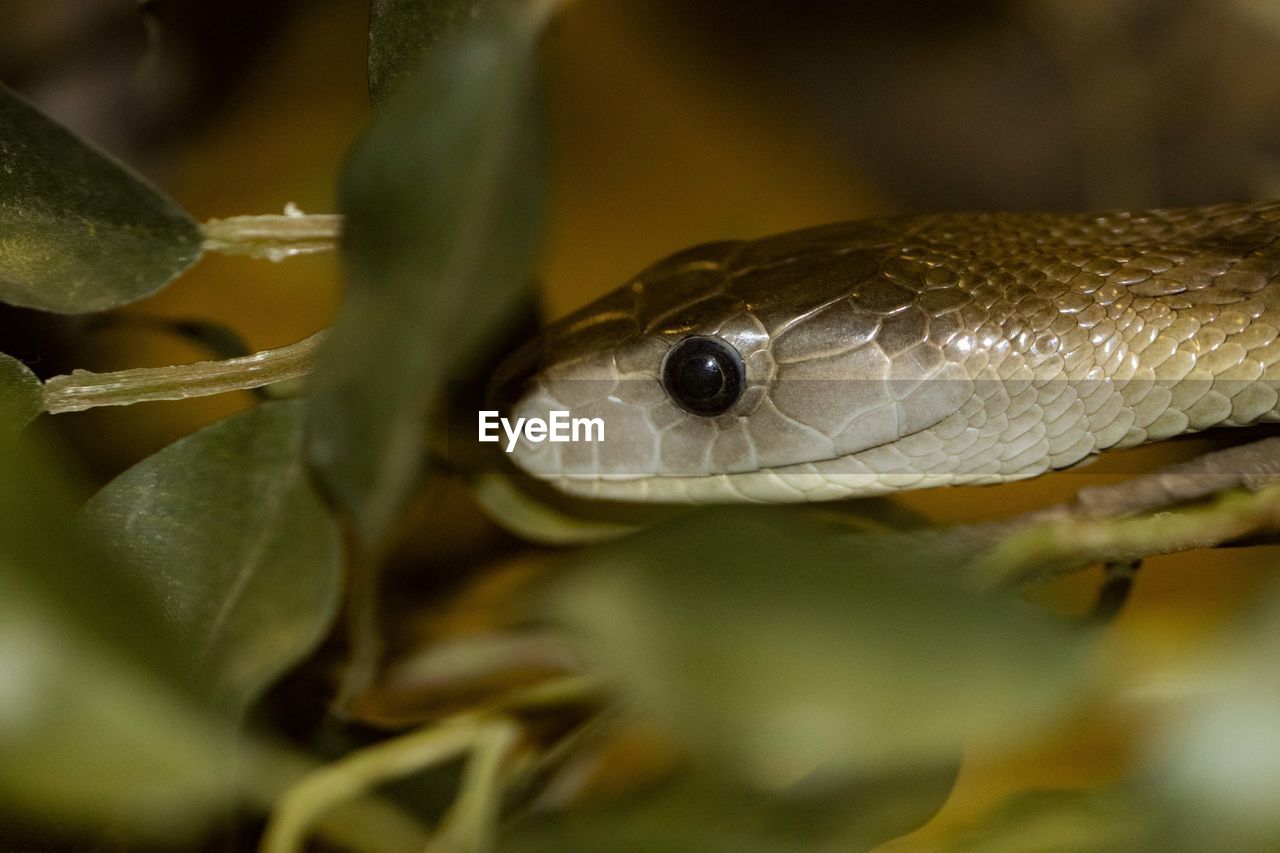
(861, 358)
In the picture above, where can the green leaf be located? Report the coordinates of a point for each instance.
(689, 816)
(1107, 820)
(777, 653)
(1217, 755)
(19, 397)
(698, 813)
(443, 198)
(78, 231)
(96, 723)
(226, 526)
(401, 32)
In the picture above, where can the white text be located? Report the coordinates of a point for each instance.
(559, 428)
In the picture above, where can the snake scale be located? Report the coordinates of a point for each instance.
(909, 352)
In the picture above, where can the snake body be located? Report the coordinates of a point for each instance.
(916, 351)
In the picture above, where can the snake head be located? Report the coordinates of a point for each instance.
(731, 371)
(909, 352)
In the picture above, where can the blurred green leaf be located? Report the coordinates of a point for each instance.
(96, 723)
(1109, 820)
(102, 726)
(226, 526)
(687, 816)
(777, 653)
(698, 813)
(78, 231)
(443, 198)
(19, 397)
(1218, 758)
(401, 32)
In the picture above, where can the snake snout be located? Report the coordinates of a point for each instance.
(514, 377)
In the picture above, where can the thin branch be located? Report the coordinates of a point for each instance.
(82, 390)
(471, 822)
(274, 237)
(1220, 498)
(1043, 546)
(367, 823)
(1252, 466)
(352, 776)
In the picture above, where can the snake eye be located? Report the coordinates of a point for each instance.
(703, 375)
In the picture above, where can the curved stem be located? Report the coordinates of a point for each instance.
(488, 741)
(273, 237)
(80, 390)
(471, 823)
(366, 822)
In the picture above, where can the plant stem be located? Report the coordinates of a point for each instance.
(355, 774)
(1063, 544)
(367, 823)
(82, 390)
(471, 823)
(273, 237)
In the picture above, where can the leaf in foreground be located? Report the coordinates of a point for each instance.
(96, 723)
(78, 231)
(778, 654)
(1217, 759)
(226, 527)
(442, 198)
(19, 397)
(401, 32)
(1107, 820)
(701, 814)
(100, 723)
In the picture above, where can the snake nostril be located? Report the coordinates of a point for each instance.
(514, 375)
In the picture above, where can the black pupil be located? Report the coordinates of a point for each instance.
(701, 377)
(704, 375)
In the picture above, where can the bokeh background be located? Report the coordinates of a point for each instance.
(674, 123)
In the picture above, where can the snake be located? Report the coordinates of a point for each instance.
(907, 352)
